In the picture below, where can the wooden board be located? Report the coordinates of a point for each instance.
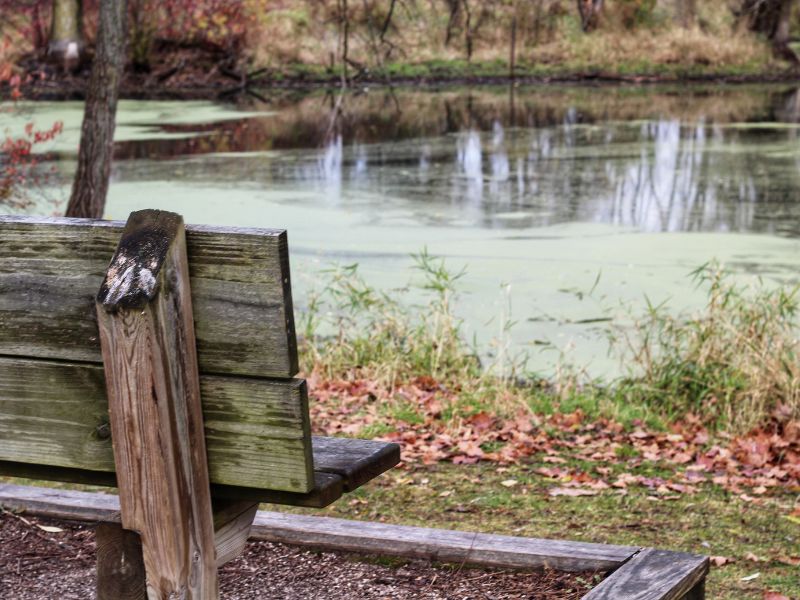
(51, 269)
(327, 488)
(120, 564)
(437, 544)
(328, 485)
(257, 430)
(357, 536)
(655, 575)
(355, 461)
(146, 325)
(232, 522)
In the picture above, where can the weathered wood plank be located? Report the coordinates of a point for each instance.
(120, 567)
(257, 430)
(51, 268)
(653, 575)
(341, 534)
(437, 544)
(355, 461)
(232, 522)
(146, 327)
(327, 487)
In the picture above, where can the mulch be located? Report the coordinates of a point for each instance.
(38, 563)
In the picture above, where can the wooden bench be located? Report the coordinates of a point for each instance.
(106, 371)
(168, 373)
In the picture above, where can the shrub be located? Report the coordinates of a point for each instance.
(734, 363)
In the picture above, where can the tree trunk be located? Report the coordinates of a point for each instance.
(90, 187)
(66, 43)
(773, 19)
(589, 11)
(687, 11)
(453, 5)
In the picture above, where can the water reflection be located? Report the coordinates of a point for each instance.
(661, 160)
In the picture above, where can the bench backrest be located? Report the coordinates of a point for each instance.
(53, 407)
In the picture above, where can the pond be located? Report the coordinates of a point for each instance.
(568, 206)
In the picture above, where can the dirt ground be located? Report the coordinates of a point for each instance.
(45, 559)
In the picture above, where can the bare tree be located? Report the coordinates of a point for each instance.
(90, 187)
(589, 11)
(773, 19)
(686, 12)
(453, 7)
(66, 41)
(344, 35)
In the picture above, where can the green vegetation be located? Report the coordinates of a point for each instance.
(350, 325)
(327, 41)
(732, 365)
(551, 39)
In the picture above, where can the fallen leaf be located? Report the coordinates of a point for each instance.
(751, 577)
(446, 494)
(775, 596)
(481, 421)
(509, 483)
(49, 528)
(561, 491)
(720, 561)
(753, 558)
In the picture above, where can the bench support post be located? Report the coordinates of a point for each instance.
(148, 344)
(698, 592)
(120, 569)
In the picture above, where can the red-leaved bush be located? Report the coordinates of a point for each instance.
(18, 164)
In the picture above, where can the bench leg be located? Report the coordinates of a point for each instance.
(120, 567)
(698, 592)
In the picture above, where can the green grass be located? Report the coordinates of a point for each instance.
(711, 522)
(460, 69)
(731, 364)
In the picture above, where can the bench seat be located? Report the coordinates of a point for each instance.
(340, 465)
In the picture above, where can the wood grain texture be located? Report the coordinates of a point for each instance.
(120, 567)
(437, 544)
(232, 522)
(358, 536)
(51, 268)
(327, 487)
(257, 430)
(654, 575)
(153, 383)
(355, 461)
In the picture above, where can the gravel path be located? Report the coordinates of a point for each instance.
(40, 564)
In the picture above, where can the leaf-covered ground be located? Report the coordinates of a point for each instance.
(584, 454)
(735, 498)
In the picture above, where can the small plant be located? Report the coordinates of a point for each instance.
(635, 13)
(350, 324)
(19, 165)
(732, 364)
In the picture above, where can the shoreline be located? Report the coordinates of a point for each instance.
(222, 85)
